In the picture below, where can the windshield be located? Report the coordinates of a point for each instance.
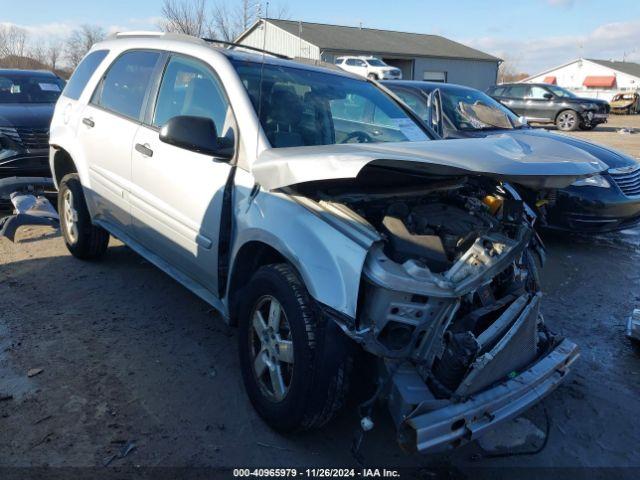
(374, 62)
(560, 92)
(463, 109)
(301, 107)
(29, 89)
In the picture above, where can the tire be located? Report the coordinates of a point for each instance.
(567, 121)
(372, 76)
(312, 379)
(83, 239)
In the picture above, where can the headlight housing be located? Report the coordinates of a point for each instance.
(596, 180)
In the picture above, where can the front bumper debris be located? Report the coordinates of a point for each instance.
(633, 325)
(458, 423)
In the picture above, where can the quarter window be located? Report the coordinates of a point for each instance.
(125, 85)
(83, 73)
(190, 88)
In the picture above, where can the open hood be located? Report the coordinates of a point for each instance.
(533, 162)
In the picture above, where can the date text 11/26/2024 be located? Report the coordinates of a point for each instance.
(317, 472)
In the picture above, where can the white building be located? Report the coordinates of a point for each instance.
(592, 78)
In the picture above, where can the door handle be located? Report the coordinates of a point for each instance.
(144, 150)
(89, 122)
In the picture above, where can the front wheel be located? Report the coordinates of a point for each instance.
(567, 121)
(294, 364)
(83, 239)
(372, 76)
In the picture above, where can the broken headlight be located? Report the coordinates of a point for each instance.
(592, 181)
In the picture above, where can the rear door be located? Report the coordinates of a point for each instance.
(107, 128)
(514, 98)
(176, 194)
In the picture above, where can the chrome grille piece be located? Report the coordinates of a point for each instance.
(29, 138)
(627, 179)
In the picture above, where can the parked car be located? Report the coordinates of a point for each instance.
(625, 103)
(544, 103)
(27, 98)
(314, 211)
(605, 202)
(369, 67)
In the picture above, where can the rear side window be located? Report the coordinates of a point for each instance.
(83, 73)
(125, 84)
(517, 91)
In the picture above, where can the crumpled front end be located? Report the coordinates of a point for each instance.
(450, 303)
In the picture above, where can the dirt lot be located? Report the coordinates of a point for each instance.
(132, 361)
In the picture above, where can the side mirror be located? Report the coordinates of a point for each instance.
(197, 134)
(548, 96)
(434, 105)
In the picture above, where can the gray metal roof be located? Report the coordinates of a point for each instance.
(629, 68)
(355, 39)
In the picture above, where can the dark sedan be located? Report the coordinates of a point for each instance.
(605, 202)
(544, 103)
(27, 98)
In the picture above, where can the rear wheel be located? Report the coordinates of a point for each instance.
(294, 364)
(83, 239)
(567, 121)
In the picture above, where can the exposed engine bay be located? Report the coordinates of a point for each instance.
(449, 298)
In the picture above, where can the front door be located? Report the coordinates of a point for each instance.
(176, 194)
(540, 104)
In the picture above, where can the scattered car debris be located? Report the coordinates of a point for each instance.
(31, 207)
(626, 131)
(633, 325)
(124, 451)
(34, 371)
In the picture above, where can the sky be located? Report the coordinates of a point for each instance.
(531, 34)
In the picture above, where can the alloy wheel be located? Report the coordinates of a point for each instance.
(70, 217)
(271, 347)
(566, 121)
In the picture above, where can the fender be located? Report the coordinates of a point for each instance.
(329, 260)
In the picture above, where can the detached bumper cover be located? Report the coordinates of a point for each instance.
(633, 325)
(456, 424)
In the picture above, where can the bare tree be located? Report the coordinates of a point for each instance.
(53, 53)
(508, 71)
(13, 41)
(80, 42)
(185, 16)
(224, 21)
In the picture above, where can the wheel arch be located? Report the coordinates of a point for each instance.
(61, 165)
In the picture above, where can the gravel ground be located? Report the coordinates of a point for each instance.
(130, 360)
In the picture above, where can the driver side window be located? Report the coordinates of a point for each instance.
(537, 93)
(190, 88)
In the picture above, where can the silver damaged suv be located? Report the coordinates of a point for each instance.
(313, 210)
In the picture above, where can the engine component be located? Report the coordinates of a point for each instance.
(461, 350)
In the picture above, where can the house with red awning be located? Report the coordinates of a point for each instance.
(589, 77)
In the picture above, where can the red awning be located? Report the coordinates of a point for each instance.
(550, 80)
(602, 82)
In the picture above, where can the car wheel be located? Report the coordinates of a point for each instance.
(295, 365)
(567, 121)
(83, 239)
(372, 76)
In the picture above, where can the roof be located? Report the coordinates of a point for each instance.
(629, 68)
(355, 39)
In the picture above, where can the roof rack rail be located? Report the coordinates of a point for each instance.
(240, 45)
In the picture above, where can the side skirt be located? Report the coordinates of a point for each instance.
(174, 273)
